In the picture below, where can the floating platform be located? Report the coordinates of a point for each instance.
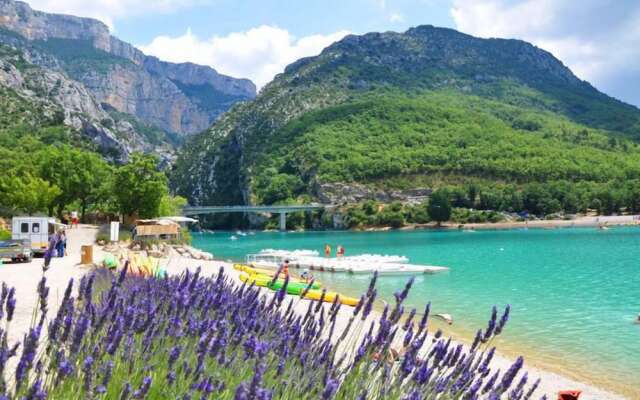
(362, 264)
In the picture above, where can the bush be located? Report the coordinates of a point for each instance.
(393, 218)
(191, 336)
(5, 235)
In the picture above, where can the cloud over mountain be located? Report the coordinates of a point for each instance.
(258, 53)
(599, 40)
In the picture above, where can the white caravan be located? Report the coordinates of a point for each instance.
(35, 229)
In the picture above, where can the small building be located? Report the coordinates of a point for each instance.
(156, 229)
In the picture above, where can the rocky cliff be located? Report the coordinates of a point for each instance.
(179, 98)
(59, 97)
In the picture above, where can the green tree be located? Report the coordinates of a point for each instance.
(439, 207)
(92, 172)
(139, 186)
(171, 205)
(28, 194)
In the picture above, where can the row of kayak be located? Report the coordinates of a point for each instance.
(295, 286)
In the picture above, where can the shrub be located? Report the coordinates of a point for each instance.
(205, 337)
(5, 235)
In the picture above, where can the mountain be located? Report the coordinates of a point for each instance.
(181, 99)
(380, 115)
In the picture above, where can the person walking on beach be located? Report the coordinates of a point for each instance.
(61, 245)
(74, 219)
(327, 250)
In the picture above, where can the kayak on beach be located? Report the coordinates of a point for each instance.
(297, 288)
(270, 273)
(265, 281)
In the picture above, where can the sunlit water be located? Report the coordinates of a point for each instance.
(574, 292)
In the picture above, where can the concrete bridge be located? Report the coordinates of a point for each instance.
(282, 210)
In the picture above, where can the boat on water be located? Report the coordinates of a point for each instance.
(359, 264)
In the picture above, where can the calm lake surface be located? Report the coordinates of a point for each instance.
(574, 292)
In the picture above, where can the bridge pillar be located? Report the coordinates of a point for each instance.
(283, 221)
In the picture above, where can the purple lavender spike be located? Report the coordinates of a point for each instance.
(330, 389)
(503, 320)
(510, 375)
(532, 389)
(11, 304)
(143, 389)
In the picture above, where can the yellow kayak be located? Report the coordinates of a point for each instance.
(270, 273)
(259, 280)
(253, 270)
(313, 294)
(330, 296)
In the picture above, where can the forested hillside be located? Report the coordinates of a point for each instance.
(431, 108)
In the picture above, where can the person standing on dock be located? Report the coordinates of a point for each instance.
(327, 250)
(340, 251)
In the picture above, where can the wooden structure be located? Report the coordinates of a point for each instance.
(158, 229)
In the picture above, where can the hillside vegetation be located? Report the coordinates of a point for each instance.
(499, 124)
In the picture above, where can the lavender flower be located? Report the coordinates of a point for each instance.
(36, 392)
(503, 320)
(143, 389)
(87, 365)
(126, 391)
(491, 325)
(330, 389)
(532, 389)
(11, 304)
(508, 377)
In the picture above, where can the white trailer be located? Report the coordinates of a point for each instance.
(35, 229)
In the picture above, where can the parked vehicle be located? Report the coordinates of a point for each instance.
(16, 250)
(35, 229)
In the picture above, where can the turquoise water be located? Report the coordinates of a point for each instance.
(574, 292)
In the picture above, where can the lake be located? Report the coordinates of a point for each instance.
(574, 292)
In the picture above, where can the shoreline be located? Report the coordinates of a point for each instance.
(551, 381)
(580, 222)
(560, 376)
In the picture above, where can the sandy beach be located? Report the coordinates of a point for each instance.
(25, 277)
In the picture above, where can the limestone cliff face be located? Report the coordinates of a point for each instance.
(178, 98)
(53, 92)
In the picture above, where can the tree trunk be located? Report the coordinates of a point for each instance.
(60, 210)
(83, 209)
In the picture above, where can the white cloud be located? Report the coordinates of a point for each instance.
(108, 10)
(259, 53)
(396, 18)
(600, 42)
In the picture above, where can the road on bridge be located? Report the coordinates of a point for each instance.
(282, 210)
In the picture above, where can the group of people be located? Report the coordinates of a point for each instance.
(57, 247)
(339, 251)
(72, 219)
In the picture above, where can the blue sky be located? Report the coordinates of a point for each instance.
(221, 17)
(598, 39)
